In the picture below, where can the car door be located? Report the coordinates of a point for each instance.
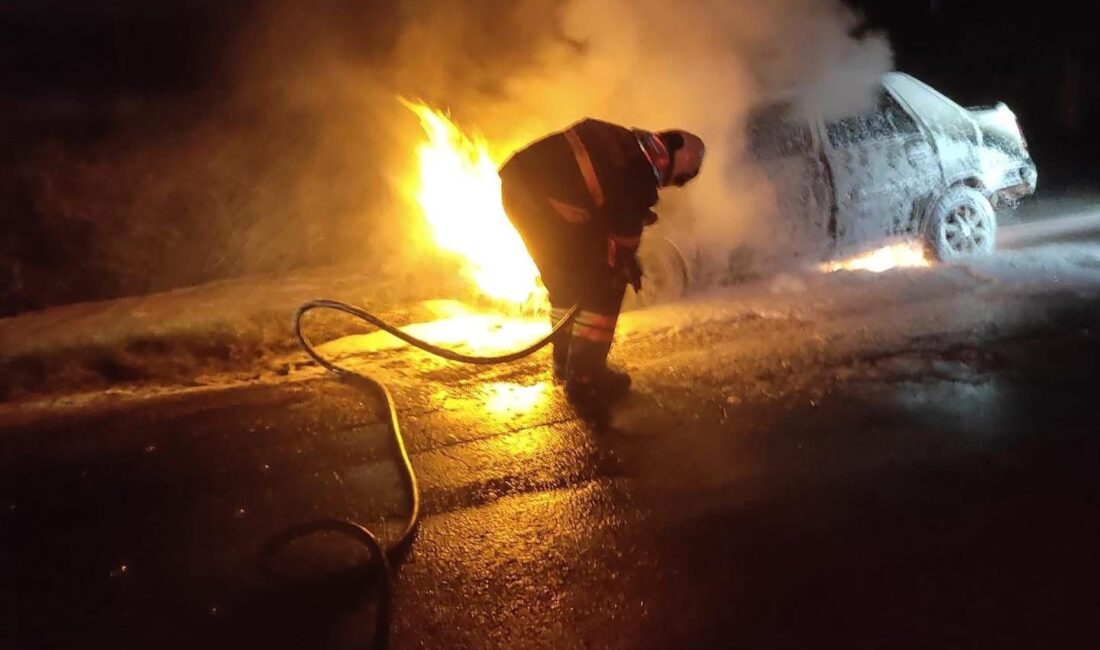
(883, 164)
(785, 148)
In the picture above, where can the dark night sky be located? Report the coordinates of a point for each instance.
(106, 47)
(61, 60)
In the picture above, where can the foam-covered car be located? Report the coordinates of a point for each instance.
(916, 164)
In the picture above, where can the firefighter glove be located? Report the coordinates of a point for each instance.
(623, 259)
(634, 273)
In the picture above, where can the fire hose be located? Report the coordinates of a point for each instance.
(382, 555)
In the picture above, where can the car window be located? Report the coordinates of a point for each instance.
(901, 119)
(774, 131)
(848, 131)
(887, 120)
(938, 114)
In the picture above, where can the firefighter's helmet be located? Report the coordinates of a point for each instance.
(686, 151)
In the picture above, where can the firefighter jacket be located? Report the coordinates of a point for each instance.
(595, 174)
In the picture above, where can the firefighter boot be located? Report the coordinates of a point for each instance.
(560, 355)
(590, 384)
(560, 343)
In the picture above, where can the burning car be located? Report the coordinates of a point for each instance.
(916, 177)
(916, 166)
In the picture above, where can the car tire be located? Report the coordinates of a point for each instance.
(665, 276)
(961, 224)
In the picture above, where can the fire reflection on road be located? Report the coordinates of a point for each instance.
(506, 397)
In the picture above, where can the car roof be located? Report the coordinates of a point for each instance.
(919, 95)
(928, 103)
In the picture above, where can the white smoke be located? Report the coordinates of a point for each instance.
(654, 64)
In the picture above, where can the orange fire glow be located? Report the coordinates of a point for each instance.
(455, 326)
(901, 255)
(458, 190)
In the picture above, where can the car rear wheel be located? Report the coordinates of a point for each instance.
(961, 224)
(665, 274)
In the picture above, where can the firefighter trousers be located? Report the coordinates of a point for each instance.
(572, 259)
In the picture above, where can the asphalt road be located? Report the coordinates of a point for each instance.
(907, 460)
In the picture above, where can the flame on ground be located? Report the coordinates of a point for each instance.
(901, 255)
(459, 193)
(457, 326)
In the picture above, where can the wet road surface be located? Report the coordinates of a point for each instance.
(914, 466)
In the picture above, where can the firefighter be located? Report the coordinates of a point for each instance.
(579, 199)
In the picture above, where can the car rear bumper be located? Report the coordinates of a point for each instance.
(1018, 183)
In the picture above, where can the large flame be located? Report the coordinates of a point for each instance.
(904, 254)
(459, 193)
